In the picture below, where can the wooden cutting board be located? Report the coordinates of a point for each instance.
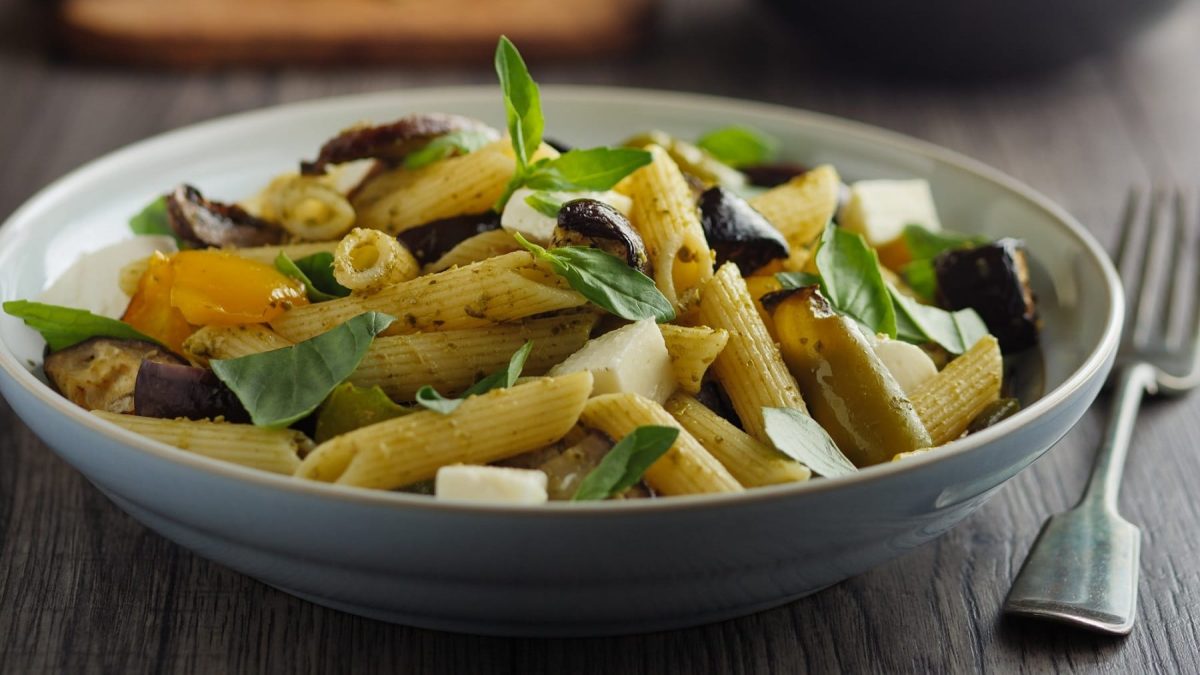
(207, 33)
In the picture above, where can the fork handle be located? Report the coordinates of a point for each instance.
(1133, 382)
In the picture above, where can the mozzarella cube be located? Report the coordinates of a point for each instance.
(536, 226)
(909, 365)
(879, 209)
(496, 484)
(632, 359)
(92, 283)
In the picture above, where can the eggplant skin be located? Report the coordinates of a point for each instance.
(171, 391)
(431, 241)
(737, 232)
(592, 223)
(992, 279)
(201, 222)
(773, 175)
(100, 374)
(390, 142)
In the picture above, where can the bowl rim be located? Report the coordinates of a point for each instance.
(1094, 363)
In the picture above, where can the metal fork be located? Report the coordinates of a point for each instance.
(1083, 567)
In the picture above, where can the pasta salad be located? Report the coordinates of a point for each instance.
(437, 306)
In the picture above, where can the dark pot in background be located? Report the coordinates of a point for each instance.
(949, 38)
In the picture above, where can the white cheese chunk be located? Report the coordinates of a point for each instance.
(536, 226)
(879, 209)
(491, 484)
(92, 282)
(632, 359)
(909, 364)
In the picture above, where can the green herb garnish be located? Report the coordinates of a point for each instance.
(924, 245)
(454, 143)
(349, 407)
(800, 437)
(153, 220)
(285, 385)
(739, 146)
(316, 273)
(955, 331)
(595, 169)
(792, 280)
(502, 379)
(606, 280)
(852, 282)
(546, 203)
(625, 464)
(64, 327)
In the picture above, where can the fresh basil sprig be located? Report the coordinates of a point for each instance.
(925, 245)
(349, 407)
(606, 280)
(64, 327)
(153, 220)
(917, 323)
(429, 397)
(594, 169)
(800, 437)
(625, 464)
(462, 142)
(285, 385)
(315, 272)
(739, 146)
(851, 280)
(546, 203)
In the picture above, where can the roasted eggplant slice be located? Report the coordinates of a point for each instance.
(430, 241)
(389, 142)
(592, 223)
(737, 232)
(201, 222)
(172, 390)
(773, 175)
(992, 279)
(100, 374)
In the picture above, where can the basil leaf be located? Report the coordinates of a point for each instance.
(545, 203)
(924, 244)
(739, 146)
(153, 220)
(502, 379)
(318, 267)
(595, 169)
(290, 268)
(64, 327)
(522, 102)
(624, 465)
(454, 143)
(349, 407)
(955, 331)
(285, 385)
(921, 277)
(852, 282)
(792, 280)
(800, 437)
(606, 280)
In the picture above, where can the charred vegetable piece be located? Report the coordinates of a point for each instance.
(99, 374)
(773, 175)
(388, 142)
(737, 232)
(172, 390)
(995, 412)
(847, 388)
(713, 396)
(592, 223)
(992, 279)
(201, 222)
(431, 240)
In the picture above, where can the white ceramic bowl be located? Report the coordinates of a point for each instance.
(560, 569)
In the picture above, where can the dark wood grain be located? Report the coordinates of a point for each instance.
(85, 588)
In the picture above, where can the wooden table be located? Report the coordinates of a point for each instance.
(85, 588)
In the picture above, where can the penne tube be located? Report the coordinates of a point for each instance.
(230, 342)
(507, 288)
(368, 260)
(451, 361)
(750, 367)
(687, 468)
(948, 401)
(274, 450)
(803, 206)
(473, 249)
(752, 463)
(486, 428)
(692, 351)
(308, 207)
(665, 214)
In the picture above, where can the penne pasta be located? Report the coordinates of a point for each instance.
(230, 342)
(692, 351)
(507, 288)
(752, 463)
(687, 468)
(274, 450)
(665, 214)
(368, 260)
(450, 361)
(803, 206)
(473, 249)
(949, 401)
(268, 254)
(487, 428)
(308, 207)
(750, 367)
